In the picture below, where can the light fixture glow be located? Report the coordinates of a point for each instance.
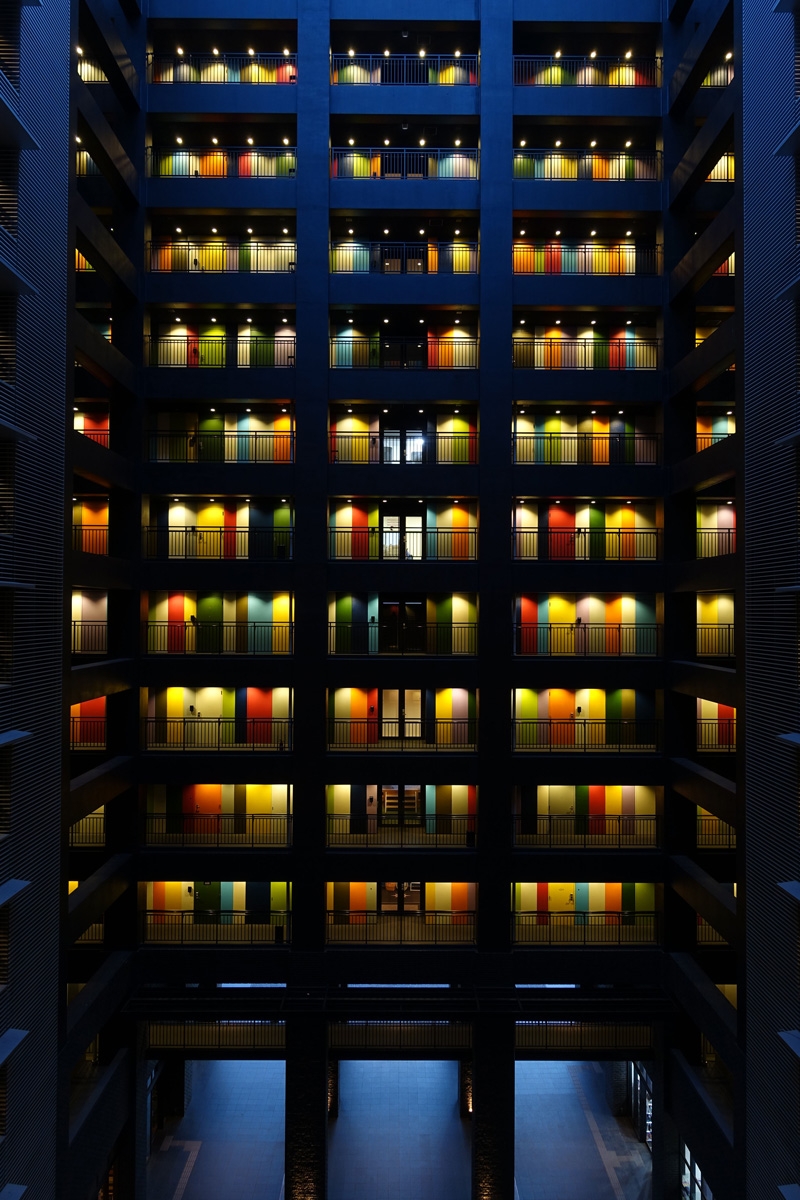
(349, 231)
(457, 54)
(456, 322)
(422, 53)
(79, 50)
(285, 231)
(523, 142)
(628, 144)
(249, 141)
(594, 322)
(386, 320)
(249, 230)
(386, 141)
(558, 142)
(77, 139)
(557, 54)
(213, 320)
(422, 141)
(422, 231)
(729, 56)
(628, 232)
(628, 53)
(558, 233)
(457, 142)
(386, 231)
(593, 143)
(351, 141)
(215, 51)
(627, 322)
(249, 320)
(351, 53)
(214, 141)
(250, 51)
(213, 229)
(286, 141)
(180, 49)
(386, 54)
(558, 322)
(457, 232)
(593, 233)
(593, 54)
(179, 140)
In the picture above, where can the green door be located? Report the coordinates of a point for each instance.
(207, 899)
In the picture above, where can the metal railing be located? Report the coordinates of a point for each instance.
(199, 541)
(724, 171)
(404, 258)
(585, 1035)
(218, 829)
(101, 436)
(706, 440)
(588, 449)
(209, 352)
(610, 545)
(587, 735)
(549, 70)
(91, 72)
(405, 353)
(716, 640)
(714, 834)
(392, 545)
(708, 935)
(379, 163)
(221, 68)
(719, 76)
(590, 639)
(90, 539)
(403, 1034)
(215, 1035)
(402, 70)
(394, 448)
(711, 543)
(589, 165)
(216, 927)
(89, 637)
(93, 935)
(586, 258)
(402, 734)
(391, 638)
(87, 733)
(717, 735)
(586, 354)
(586, 928)
(85, 165)
(201, 446)
(217, 733)
(585, 831)
(221, 257)
(417, 831)
(230, 162)
(90, 831)
(217, 637)
(364, 928)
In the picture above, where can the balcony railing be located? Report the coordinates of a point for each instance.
(410, 448)
(217, 830)
(199, 541)
(719, 76)
(402, 70)
(360, 928)
(588, 165)
(610, 545)
(230, 162)
(373, 637)
(87, 733)
(549, 70)
(591, 258)
(391, 545)
(404, 258)
(588, 449)
(380, 163)
(417, 831)
(217, 637)
(724, 171)
(222, 68)
(216, 927)
(706, 440)
(91, 72)
(587, 735)
(93, 935)
(714, 834)
(405, 353)
(90, 539)
(89, 637)
(586, 354)
(89, 832)
(101, 436)
(200, 446)
(586, 832)
(221, 258)
(586, 928)
(718, 736)
(217, 733)
(400, 735)
(711, 543)
(204, 352)
(715, 641)
(589, 639)
(707, 935)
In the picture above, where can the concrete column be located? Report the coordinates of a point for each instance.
(666, 1139)
(493, 1109)
(306, 1108)
(333, 1087)
(465, 1087)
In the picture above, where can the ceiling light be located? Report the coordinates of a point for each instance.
(558, 322)
(522, 321)
(729, 502)
(386, 320)
(422, 230)
(558, 142)
(593, 143)
(456, 322)
(558, 412)
(213, 320)
(386, 231)
(285, 231)
(594, 410)
(214, 141)
(627, 322)
(422, 320)
(285, 320)
(456, 410)
(729, 56)
(628, 233)
(249, 141)
(250, 51)
(522, 233)
(628, 53)
(249, 230)
(180, 49)
(178, 320)
(215, 51)
(619, 412)
(729, 413)
(286, 141)
(386, 141)
(349, 410)
(349, 320)
(351, 53)
(179, 140)
(422, 53)
(628, 144)
(523, 142)
(286, 53)
(422, 141)
(248, 410)
(458, 141)
(349, 231)
(175, 500)
(386, 54)
(558, 233)
(77, 139)
(249, 320)
(593, 54)
(557, 54)
(351, 142)
(79, 50)
(457, 232)
(421, 410)
(213, 229)
(594, 322)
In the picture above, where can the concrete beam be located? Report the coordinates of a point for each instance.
(101, 249)
(99, 786)
(704, 151)
(708, 360)
(710, 250)
(104, 146)
(88, 903)
(112, 53)
(707, 897)
(699, 56)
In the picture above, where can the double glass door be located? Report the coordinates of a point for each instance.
(400, 804)
(401, 713)
(398, 896)
(404, 445)
(402, 626)
(401, 535)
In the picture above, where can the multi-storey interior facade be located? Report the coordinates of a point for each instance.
(405, 485)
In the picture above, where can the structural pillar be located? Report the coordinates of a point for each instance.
(306, 1108)
(493, 1108)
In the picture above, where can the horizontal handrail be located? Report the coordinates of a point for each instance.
(217, 733)
(391, 638)
(89, 831)
(588, 449)
(217, 637)
(391, 545)
(101, 436)
(706, 440)
(550, 70)
(87, 733)
(586, 928)
(221, 68)
(713, 833)
(418, 831)
(591, 735)
(711, 543)
(585, 258)
(209, 352)
(202, 446)
(435, 928)
(217, 927)
(223, 162)
(716, 640)
(586, 354)
(586, 831)
(402, 734)
(412, 447)
(90, 71)
(719, 76)
(642, 166)
(706, 934)
(201, 541)
(724, 171)
(589, 639)
(717, 734)
(218, 829)
(221, 257)
(623, 545)
(405, 353)
(90, 539)
(89, 637)
(429, 163)
(402, 70)
(236, 1034)
(403, 258)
